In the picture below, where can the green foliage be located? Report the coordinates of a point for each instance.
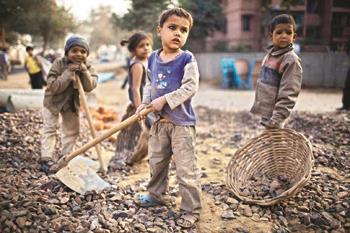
(49, 21)
(208, 17)
(36, 17)
(11, 14)
(143, 15)
(11, 11)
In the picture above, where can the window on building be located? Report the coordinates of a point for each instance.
(246, 22)
(300, 2)
(265, 2)
(341, 3)
(339, 22)
(313, 6)
(299, 21)
(313, 33)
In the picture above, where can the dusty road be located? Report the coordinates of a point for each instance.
(110, 93)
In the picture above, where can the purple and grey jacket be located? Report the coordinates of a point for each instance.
(178, 81)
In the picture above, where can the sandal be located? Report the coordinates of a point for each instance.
(147, 201)
(187, 220)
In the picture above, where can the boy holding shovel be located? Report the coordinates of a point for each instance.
(62, 97)
(174, 79)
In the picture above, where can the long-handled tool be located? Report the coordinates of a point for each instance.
(127, 122)
(103, 168)
(77, 172)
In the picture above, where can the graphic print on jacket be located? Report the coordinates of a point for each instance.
(269, 73)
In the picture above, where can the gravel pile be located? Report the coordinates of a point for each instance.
(33, 201)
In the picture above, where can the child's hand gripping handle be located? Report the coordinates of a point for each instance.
(122, 125)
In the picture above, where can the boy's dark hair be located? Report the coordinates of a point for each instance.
(4, 49)
(29, 48)
(284, 18)
(175, 11)
(135, 39)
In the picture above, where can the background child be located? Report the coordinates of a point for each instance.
(132, 143)
(5, 64)
(33, 67)
(280, 78)
(346, 94)
(174, 79)
(62, 96)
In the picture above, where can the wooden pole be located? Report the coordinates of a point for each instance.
(103, 168)
(122, 125)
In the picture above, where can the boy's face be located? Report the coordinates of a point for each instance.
(283, 35)
(77, 54)
(174, 33)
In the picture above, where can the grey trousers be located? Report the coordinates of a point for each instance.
(70, 132)
(167, 140)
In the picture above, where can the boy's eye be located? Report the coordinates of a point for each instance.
(183, 30)
(172, 27)
(279, 32)
(82, 51)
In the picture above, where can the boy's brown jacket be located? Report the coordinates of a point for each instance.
(61, 93)
(278, 86)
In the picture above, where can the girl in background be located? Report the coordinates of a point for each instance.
(131, 145)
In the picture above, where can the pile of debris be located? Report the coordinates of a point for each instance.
(322, 204)
(104, 118)
(264, 186)
(32, 201)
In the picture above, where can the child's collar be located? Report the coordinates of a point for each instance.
(271, 50)
(66, 61)
(158, 52)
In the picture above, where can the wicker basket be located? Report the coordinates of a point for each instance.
(274, 152)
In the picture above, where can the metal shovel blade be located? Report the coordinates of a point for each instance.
(80, 175)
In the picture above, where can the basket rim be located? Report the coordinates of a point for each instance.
(287, 193)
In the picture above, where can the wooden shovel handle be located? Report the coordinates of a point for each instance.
(89, 118)
(127, 122)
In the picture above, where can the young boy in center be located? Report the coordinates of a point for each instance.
(280, 78)
(62, 97)
(173, 80)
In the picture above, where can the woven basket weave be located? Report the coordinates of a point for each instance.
(274, 152)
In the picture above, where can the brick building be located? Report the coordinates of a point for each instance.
(322, 25)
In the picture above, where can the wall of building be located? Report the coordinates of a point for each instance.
(322, 24)
(319, 69)
(235, 36)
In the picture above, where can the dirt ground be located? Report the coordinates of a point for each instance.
(111, 95)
